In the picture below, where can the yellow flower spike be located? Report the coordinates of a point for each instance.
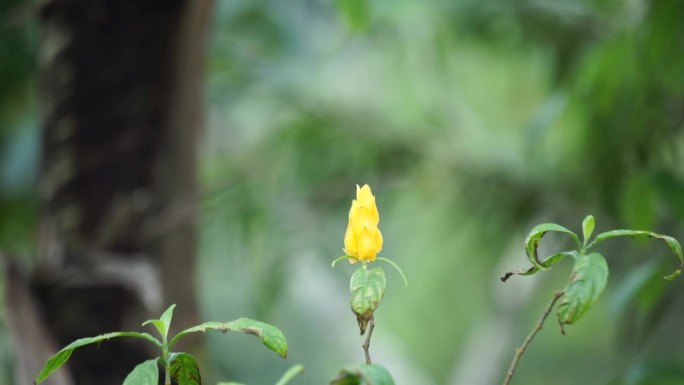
(363, 239)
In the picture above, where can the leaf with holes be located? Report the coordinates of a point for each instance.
(587, 282)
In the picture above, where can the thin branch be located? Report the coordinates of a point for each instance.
(521, 350)
(366, 344)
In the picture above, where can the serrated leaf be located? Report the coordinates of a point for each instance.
(146, 373)
(184, 369)
(587, 282)
(367, 287)
(363, 375)
(534, 239)
(290, 374)
(162, 324)
(270, 335)
(548, 262)
(671, 242)
(588, 228)
(61, 357)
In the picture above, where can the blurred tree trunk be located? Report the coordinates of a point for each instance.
(121, 85)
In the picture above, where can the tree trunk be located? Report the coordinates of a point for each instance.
(121, 85)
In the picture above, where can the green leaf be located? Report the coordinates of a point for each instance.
(363, 375)
(547, 263)
(163, 323)
(588, 228)
(61, 357)
(356, 13)
(146, 373)
(270, 335)
(588, 279)
(341, 258)
(396, 267)
(184, 369)
(367, 288)
(534, 239)
(672, 243)
(290, 374)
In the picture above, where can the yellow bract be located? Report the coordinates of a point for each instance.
(363, 239)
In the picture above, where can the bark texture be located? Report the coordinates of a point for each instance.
(121, 94)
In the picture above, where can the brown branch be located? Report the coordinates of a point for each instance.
(521, 350)
(366, 344)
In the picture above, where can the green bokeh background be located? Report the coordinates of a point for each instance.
(472, 121)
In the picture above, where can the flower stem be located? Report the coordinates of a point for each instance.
(521, 350)
(366, 345)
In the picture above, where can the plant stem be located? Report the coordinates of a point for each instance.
(521, 350)
(167, 364)
(366, 344)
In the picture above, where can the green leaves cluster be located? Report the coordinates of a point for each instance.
(180, 367)
(590, 272)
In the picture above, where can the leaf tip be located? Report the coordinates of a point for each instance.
(674, 275)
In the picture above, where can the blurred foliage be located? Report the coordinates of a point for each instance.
(471, 120)
(18, 147)
(18, 126)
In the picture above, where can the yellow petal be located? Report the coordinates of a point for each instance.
(375, 214)
(365, 196)
(366, 244)
(353, 208)
(378, 241)
(351, 242)
(362, 218)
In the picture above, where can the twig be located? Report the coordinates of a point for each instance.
(521, 350)
(366, 344)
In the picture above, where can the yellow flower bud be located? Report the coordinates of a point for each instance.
(363, 239)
